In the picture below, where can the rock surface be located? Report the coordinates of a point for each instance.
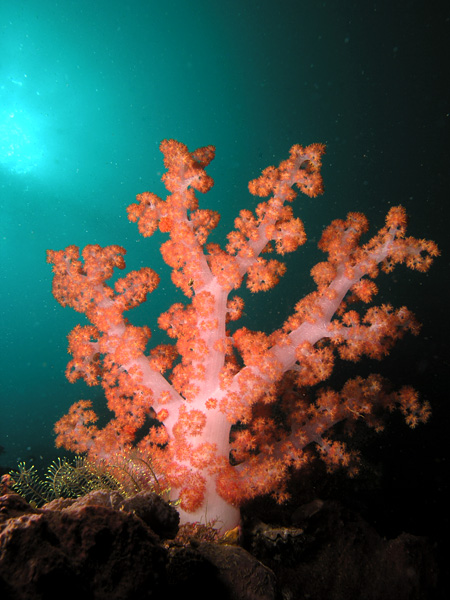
(104, 547)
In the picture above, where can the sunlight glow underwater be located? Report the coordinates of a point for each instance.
(20, 147)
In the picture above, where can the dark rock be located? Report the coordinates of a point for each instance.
(341, 557)
(241, 574)
(101, 547)
(160, 516)
(211, 570)
(13, 505)
(90, 552)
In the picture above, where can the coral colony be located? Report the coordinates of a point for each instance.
(232, 412)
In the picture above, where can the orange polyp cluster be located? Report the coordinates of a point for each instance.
(301, 168)
(264, 274)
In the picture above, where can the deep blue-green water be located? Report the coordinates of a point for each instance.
(89, 89)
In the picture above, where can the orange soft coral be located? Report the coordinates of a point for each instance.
(176, 403)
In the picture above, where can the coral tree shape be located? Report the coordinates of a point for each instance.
(177, 402)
